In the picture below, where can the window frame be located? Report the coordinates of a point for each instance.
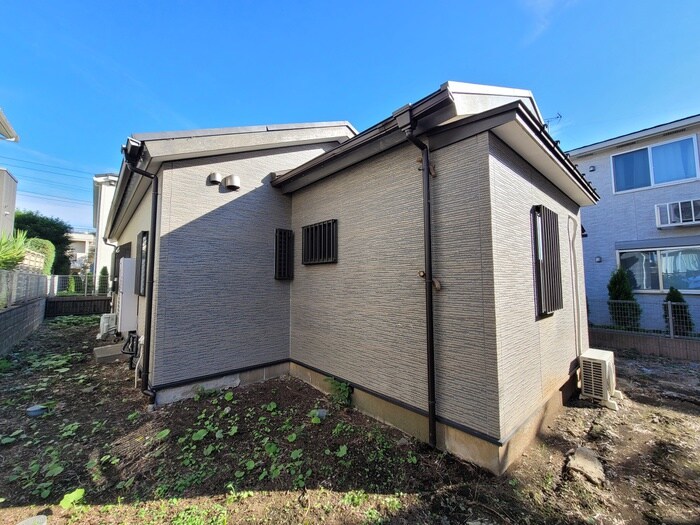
(328, 246)
(654, 184)
(549, 296)
(284, 262)
(661, 289)
(141, 263)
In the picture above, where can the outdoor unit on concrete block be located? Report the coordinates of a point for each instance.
(598, 377)
(127, 300)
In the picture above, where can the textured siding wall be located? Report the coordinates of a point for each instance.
(465, 333)
(363, 318)
(535, 357)
(625, 217)
(140, 221)
(219, 306)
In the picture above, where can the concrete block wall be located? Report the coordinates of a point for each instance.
(18, 322)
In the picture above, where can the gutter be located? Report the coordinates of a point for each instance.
(133, 151)
(407, 123)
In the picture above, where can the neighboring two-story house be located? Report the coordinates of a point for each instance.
(648, 217)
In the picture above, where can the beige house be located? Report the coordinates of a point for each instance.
(8, 198)
(103, 187)
(432, 261)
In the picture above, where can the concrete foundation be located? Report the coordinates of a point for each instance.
(178, 393)
(491, 456)
(109, 354)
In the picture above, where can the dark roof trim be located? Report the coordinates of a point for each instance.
(213, 132)
(664, 242)
(639, 134)
(380, 137)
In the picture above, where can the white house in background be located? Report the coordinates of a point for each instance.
(81, 243)
(103, 186)
(8, 197)
(648, 217)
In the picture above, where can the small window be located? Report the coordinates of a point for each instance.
(141, 263)
(284, 254)
(320, 243)
(545, 236)
(660, 164)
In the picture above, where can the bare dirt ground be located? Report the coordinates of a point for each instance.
(265, 454)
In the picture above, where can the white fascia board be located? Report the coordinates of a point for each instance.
(495, 92)
(529, 146)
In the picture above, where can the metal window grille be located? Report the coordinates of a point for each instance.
(141, 263)
(548, 285)
(284, 254)
(320, 242)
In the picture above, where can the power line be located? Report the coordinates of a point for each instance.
(45, 165)
(47, 171)
(52, 198)
(36, 179)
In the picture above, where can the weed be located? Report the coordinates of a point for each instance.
(343, 428)
(234, 496)
(72, 498)
(372, 517)
(354, 498)
(133, 416)
(69, 430)
(341, 392)
(342, 451)
(412, 459)
(392, 503)
(215, 515)
(5, 365)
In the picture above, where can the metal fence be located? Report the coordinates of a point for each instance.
(79, 284)
(21, 287)
(648, 316)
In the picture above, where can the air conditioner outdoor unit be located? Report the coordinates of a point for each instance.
(598, 377)
(108, 325)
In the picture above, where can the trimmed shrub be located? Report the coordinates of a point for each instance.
(71, 284)
(12, 249)
(103, 281)
(47, 249)
(624, 314)
(682, 321)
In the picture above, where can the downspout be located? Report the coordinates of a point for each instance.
(407, 124)
(150, 272)
(572, 233)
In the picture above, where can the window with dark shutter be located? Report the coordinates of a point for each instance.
(284, 254)
(545, 237)
(320, 242)
(141, 263)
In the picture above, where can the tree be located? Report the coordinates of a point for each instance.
(623, 306)
(682, 320)
(49, 228)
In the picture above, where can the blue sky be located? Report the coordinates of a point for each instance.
(76, 78)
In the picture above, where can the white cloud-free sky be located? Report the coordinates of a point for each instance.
(77, 78)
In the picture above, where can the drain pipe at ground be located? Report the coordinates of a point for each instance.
(406, 123)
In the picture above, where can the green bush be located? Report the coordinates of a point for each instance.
(71, 284)
(341, 392)
(625, 314)
(682, 321)
(12, 249)
(103, 281)
(47, 249)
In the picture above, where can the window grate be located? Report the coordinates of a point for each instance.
(320, 243)
(284, 254)
(548, 284)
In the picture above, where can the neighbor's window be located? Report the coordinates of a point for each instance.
(284, 254)
(141, 263)
(320, 243)
(659, 269)
(661, 164)
(545, 236)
